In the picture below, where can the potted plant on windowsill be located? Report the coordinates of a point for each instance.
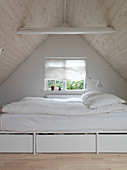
(52, 86)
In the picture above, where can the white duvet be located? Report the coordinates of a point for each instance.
(61, 107)
(47, 107)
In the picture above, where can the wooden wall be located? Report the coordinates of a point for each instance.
(101, 13)
(80, 13)
(17, 13)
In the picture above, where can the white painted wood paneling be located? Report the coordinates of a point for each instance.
(112, 143)
(50, 13)
(66, 143)
(100, 13)
(19, 13)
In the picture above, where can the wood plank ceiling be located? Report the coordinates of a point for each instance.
(44, 13)
(91, 13)
(17, 13)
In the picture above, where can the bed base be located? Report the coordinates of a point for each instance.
(49, 142)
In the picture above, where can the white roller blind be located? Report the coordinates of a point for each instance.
(65, 69)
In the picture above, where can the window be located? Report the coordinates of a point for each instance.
(65, 74)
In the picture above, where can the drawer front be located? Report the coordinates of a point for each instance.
(113, 143)
(16, 143)
(65, 143)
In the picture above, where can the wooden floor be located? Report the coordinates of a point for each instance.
(63, 162)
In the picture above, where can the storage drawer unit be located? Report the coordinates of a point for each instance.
(112, 143)
(65, 143)
(16, 143)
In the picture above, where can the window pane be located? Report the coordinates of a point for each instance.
(51, 83)
(59, 84)
(75, 85)
(66, 73)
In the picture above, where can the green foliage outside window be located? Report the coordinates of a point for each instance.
(51, 83)
(70, 85)
(75, 85)
(59, 84)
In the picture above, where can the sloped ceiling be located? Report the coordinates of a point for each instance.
(17, 13)
(101, 13)
(44, 13)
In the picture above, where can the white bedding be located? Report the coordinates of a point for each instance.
(48, 107)
(61, 107)
(63, 100)
(61, 115)
(51, 123)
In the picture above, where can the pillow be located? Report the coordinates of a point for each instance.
(112, 108)
(89, 94)
(103, 100)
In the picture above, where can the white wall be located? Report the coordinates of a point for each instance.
(27, 80)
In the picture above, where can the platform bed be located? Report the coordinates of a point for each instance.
(65, 135)
(49, 142)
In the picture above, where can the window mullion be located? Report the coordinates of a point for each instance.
(55, 84)
(64, 84)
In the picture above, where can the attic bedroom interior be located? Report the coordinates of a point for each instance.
(63, 84)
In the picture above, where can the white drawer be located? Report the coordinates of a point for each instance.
(65, 143)
(16, 143)
(113, 143)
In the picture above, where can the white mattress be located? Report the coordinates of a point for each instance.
(51, 123)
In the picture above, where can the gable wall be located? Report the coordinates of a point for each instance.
(27, 80)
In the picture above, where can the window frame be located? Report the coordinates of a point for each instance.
(64, 86)
(46, 88)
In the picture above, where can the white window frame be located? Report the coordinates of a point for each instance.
(46, 88)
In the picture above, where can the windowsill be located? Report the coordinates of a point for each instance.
(64, 92)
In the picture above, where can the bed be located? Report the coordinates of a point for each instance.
(59, 129)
